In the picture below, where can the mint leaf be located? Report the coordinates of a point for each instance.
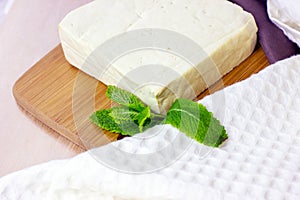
(117, 120)
(142, 117)
(120, 114)
(124, 114)
(105, 121)
(131, 117)
(197, 122)
(124, 120)
(124, 98)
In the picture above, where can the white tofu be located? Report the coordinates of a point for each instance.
(158, 49)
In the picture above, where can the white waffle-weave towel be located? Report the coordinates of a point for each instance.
(285, 14)
(260, 160)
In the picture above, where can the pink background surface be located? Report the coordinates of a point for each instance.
(27, 33)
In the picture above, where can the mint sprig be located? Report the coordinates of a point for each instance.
(132, 116)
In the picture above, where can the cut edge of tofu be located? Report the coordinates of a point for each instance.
(221, 63)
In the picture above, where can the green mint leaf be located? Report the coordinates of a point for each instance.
(142, 117)
(120, 114)
(124, 120)
(105, 121)
(124, 114)
(124, 98)
(197, 122)
(117, 120)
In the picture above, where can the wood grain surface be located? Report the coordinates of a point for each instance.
(63, 98)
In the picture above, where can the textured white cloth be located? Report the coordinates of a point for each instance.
(285, 14)
(260, 160)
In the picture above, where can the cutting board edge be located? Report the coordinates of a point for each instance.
(23, 103)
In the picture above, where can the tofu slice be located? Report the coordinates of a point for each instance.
(158, 49)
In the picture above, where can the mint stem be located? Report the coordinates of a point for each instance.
(158, 115)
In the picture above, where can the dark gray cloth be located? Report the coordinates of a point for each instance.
(272, 39)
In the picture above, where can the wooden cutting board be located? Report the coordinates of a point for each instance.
(63, 98)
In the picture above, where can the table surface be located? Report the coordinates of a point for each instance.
(27, 33)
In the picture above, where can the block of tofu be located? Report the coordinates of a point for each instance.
(158, 49)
